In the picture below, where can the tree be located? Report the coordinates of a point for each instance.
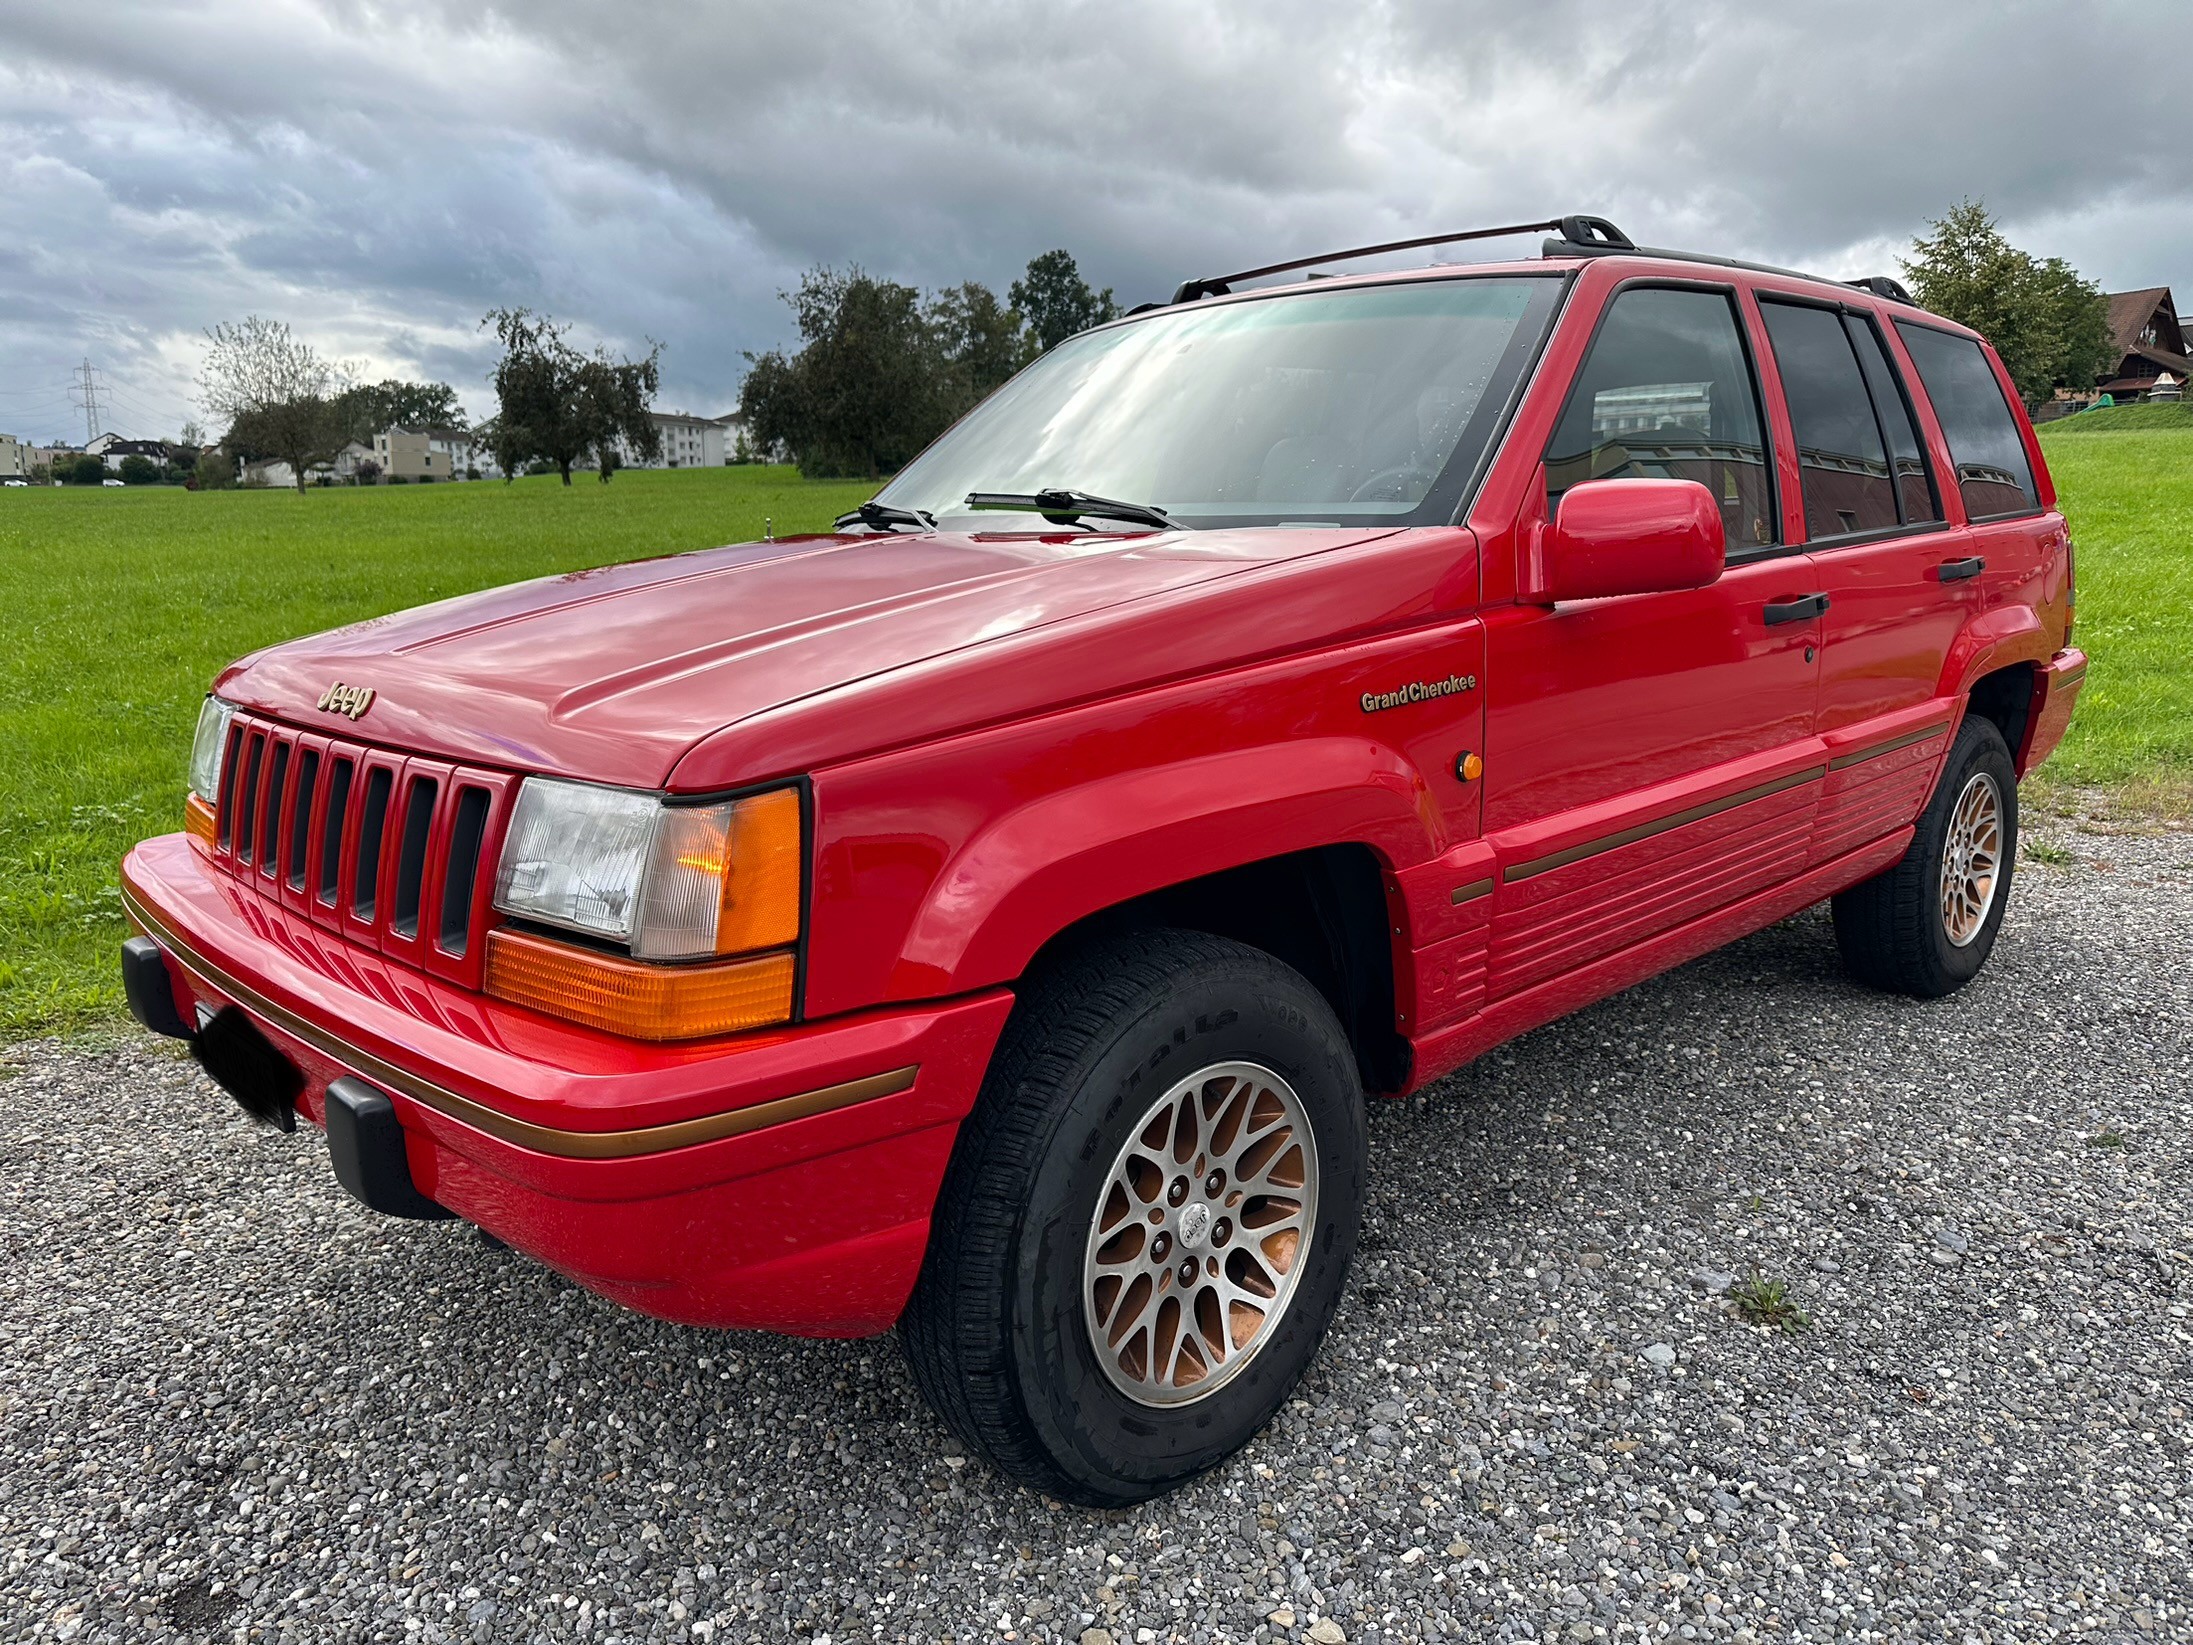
(192, 435)
(139, 471)
(377, 406)
(865, 391)
(559, 406)
(2050, 327)
(981, 340)
(1057, 301)
(83, 469)
(276, 393)
(216, 470)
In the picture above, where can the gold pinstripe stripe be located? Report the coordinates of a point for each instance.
(545, 1139)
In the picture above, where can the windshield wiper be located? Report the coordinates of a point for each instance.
(884, 517)
(1070, 506)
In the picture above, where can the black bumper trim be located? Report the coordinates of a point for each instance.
(365, 1140)
(151, 991)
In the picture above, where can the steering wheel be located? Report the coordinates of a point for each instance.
(1368, 491)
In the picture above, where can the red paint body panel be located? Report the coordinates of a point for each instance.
(814, 1225)
(1005, 734)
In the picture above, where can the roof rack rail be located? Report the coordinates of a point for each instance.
(1882, 286)
(1597, 233)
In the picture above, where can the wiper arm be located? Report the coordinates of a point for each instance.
(1070, 506)
(884, 517)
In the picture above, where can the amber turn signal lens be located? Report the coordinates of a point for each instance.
(635, 999)
(761, 882)
(198, 820)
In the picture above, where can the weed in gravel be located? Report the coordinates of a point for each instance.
(1763, 1301)
(2106, 1139)
(2049, 852)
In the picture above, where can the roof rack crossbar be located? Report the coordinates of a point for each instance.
(1595, 232)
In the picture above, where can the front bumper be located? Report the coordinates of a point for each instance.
(780, 1180)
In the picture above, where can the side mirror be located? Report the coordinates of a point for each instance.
(1627, 537)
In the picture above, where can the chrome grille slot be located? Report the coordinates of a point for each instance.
(300, 815)
(247, 798)
(365, 885)
(231, 758)
(331, 828)
(411, 856)
(461, 869)
(270, 814)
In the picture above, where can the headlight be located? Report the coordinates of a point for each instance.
(666, 881)
(207, 747)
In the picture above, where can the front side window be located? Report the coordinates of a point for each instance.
(1977, 422)
(1841, 460)
(1667, 393)
(1371, 404)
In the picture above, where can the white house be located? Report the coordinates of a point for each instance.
(687, 442)
(14, 458)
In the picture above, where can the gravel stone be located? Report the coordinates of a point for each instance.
(234, 1405)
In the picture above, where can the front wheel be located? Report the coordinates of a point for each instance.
(1147, 1220)
(1927, 925)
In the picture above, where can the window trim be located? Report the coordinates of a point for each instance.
(1927, 464)
(1728, 291)
(2033, 478)
(1903, 527)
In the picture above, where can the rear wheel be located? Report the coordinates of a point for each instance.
(1927, 925)
(1147, 1220)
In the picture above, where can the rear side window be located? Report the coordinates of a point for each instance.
(1848, 488)
(1976, 420)
(1915, 494)
(1667, 393)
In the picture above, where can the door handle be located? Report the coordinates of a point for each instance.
(1801, 609)
(1956, 571)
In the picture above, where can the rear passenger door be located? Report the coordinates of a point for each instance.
(1649, 757)
(1894, 570)
(1991, 472)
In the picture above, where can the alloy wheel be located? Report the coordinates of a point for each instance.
(1972, 859)
(1200, 1234)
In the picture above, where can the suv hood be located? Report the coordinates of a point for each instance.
(613, 673)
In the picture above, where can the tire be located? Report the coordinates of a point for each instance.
(1009, 1333)
(1901, 931)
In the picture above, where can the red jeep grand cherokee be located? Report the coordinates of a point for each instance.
(987, 919)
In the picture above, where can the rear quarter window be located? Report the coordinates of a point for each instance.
(1985, 445)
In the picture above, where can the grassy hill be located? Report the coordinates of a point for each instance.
(2122, 420)
(117, 608)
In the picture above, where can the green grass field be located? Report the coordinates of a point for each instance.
(2129, 499)
(117, 608)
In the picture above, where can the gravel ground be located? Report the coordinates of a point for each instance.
(233, 1404)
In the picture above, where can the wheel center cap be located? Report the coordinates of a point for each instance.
(1195, 1225)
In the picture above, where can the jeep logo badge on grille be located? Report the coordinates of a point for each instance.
(353, 700)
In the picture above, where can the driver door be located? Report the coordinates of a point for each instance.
(1646, 755)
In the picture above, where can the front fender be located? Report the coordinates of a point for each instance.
(1035, 871)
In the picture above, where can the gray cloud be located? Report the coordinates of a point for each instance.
(379, 175)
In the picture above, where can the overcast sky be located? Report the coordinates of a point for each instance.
(380, 174)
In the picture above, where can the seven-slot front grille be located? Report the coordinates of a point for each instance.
(394, 852)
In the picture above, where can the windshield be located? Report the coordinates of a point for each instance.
(1368, 405)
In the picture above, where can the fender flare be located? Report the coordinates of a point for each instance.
(1991, 641)
(1038, 869)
